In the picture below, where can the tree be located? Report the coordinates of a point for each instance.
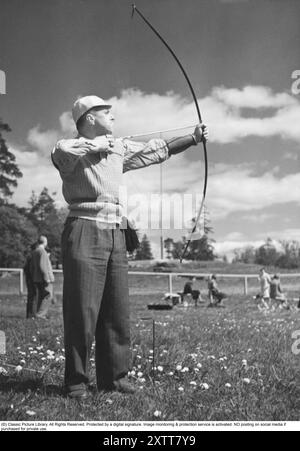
(144, 251)
(202, 249)
(267, 254)
(169, 246)
(290, 259)
(17, 233)
(245, 255)
(9, 170)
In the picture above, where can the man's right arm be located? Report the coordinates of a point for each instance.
(68, 152)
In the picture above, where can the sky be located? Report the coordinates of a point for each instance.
(240, 55)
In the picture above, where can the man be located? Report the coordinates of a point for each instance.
(43, 277)
(188, 290)
(265, 281)
(31, 288)
(95, 293)
(216, 297)
(276, 293)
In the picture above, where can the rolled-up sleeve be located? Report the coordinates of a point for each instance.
(139, 155)
(67, 153)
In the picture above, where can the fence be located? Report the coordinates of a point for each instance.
(12, 281)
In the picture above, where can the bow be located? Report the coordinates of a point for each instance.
(135, 9)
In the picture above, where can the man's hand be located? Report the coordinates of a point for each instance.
(100, 143)
(201, 133)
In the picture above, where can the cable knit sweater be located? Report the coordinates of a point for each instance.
(92, 179)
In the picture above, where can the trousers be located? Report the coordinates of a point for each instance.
(95, 303)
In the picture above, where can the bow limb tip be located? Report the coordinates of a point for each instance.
(133, 10)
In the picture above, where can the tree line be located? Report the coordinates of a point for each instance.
(285, 254)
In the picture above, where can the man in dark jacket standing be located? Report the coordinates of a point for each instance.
(31, 288)
(43, 277)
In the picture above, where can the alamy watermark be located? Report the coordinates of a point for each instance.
(155, 211)
(296, 84)
(2, 82)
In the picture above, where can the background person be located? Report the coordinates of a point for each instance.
(215, 296)
(189, 290)
(31, 304)
(43, 277)
(276, 294)
(265, 281)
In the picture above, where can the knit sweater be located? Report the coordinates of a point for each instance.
(92, 179)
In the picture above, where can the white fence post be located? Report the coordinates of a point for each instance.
(21, 282)
(170, 283)
(246, 285)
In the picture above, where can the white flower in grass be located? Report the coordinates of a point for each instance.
(199, 365)
(109, 401)
(185, 370)
(142, 380)
(151, 351)
(246, 380)
(139, 374)
(244, 362)
(171, 373)
(160, 368)
(228, 385)
(157, 413)
(31, 413)
(18, 369)
(196, 370)
(132, 373)
(180, 389)
(204, 386)
(193, 383)
(22, 362)
(178, 368)
(30, 349)
(3, 370)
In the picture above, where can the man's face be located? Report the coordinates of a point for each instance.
(103, 121)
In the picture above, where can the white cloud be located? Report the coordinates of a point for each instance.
(42, 141)
(231, 188)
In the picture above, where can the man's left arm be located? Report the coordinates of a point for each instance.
(138, 155)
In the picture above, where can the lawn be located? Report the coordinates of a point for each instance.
(211, 364)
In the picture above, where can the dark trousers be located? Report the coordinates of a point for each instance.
(44, 295)
(95, 303)
(31, 307)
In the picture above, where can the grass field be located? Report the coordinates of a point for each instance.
(228, 364)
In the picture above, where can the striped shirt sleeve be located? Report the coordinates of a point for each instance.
(139, 155)
(67, 153)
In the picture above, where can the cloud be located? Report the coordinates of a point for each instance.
(42, 141)
(138, 112)
(223, 113)
(231, 188)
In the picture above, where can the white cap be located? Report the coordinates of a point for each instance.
(86, 103)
